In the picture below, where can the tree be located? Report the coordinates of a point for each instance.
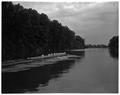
(27, 33)
(113, 46)
(113, 43)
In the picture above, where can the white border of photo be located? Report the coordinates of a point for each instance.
(57, 1)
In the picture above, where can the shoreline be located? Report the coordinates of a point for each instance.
(31, 59)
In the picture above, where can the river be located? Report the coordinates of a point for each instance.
(95, 71)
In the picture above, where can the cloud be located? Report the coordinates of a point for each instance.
(96, 22)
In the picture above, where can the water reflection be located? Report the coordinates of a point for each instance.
(76, 52)
(30, 79)
(113, 52)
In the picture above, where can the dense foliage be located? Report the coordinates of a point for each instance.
(113, 46)
(114, 42)
(27, 33)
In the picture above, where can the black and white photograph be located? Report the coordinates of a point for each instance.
(59, 47)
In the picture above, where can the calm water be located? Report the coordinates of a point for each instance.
(96, 70)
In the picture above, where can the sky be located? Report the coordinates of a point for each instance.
(96, 22)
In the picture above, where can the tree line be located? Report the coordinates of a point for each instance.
(96, 46)
(26, 33)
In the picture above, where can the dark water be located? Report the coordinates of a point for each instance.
(96, 70)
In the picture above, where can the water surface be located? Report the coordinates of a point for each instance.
(95, 70)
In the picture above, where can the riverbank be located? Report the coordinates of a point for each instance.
(32, 63)
(23, 64)
(31, 59)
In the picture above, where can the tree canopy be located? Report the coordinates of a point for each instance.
(113, 46)
(26, 33)
(113, 43)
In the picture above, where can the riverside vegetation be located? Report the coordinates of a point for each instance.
(27, 33)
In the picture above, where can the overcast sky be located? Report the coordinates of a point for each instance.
(95, 22)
